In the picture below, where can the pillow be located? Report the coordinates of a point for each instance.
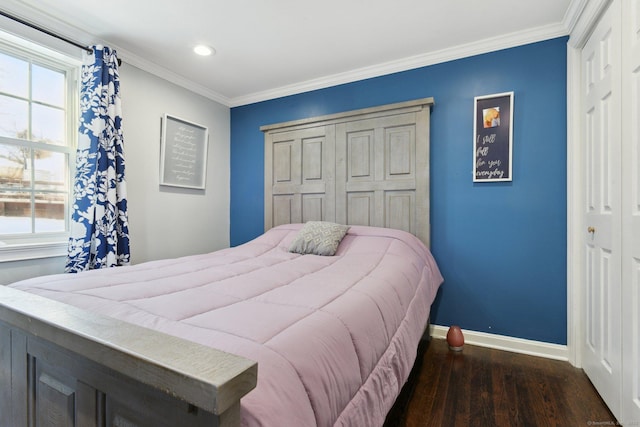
(318, 238)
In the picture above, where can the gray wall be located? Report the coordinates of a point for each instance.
(164, 222)
(167, 222)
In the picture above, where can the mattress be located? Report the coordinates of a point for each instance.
(335, 337)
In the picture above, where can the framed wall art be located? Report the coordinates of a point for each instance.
(492, 137)
(183, 153)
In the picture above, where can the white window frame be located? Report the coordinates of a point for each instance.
(20, 247)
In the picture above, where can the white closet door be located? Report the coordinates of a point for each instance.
(631, 215)
(602, 354)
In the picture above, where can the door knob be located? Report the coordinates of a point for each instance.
(591, 230)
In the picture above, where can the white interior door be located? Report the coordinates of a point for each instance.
(601, 74)
(631, 212)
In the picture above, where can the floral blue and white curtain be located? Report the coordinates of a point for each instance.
(99, 224)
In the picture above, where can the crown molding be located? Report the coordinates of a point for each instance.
(129, 58)
(462, 51)
(515, 39)
(57, 26)
(573, 13)
(585, 14)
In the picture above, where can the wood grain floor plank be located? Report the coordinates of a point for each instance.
(486, 387)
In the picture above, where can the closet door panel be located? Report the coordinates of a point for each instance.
(631, 215)
(400, 208)
(400, 148)
(313, 207)
(299, 176)
(376, 171)
(360, 208)
(283, 209)
(362, 167)
(283, 153)
(312, 159)
(361, 156)
(601, 61)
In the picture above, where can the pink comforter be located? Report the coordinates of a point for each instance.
(334, 337)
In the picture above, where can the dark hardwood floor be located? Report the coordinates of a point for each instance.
(486, 387)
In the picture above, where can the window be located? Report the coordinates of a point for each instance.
(38, 95)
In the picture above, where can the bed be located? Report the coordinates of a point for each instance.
(255, 335)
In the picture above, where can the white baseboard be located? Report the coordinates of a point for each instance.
(501, 342)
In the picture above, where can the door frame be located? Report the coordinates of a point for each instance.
(578, 36)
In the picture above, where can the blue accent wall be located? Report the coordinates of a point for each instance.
(501, 247)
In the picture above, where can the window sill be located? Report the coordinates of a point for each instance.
(23, 252)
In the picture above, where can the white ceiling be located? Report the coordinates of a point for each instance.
(271, 48)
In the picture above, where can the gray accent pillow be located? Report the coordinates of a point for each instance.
(318, 238)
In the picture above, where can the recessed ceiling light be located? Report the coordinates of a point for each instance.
(204, 50)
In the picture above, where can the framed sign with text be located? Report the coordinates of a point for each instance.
(492, 137)
(183, 153)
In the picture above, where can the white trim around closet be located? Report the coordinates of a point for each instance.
(585, 24)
